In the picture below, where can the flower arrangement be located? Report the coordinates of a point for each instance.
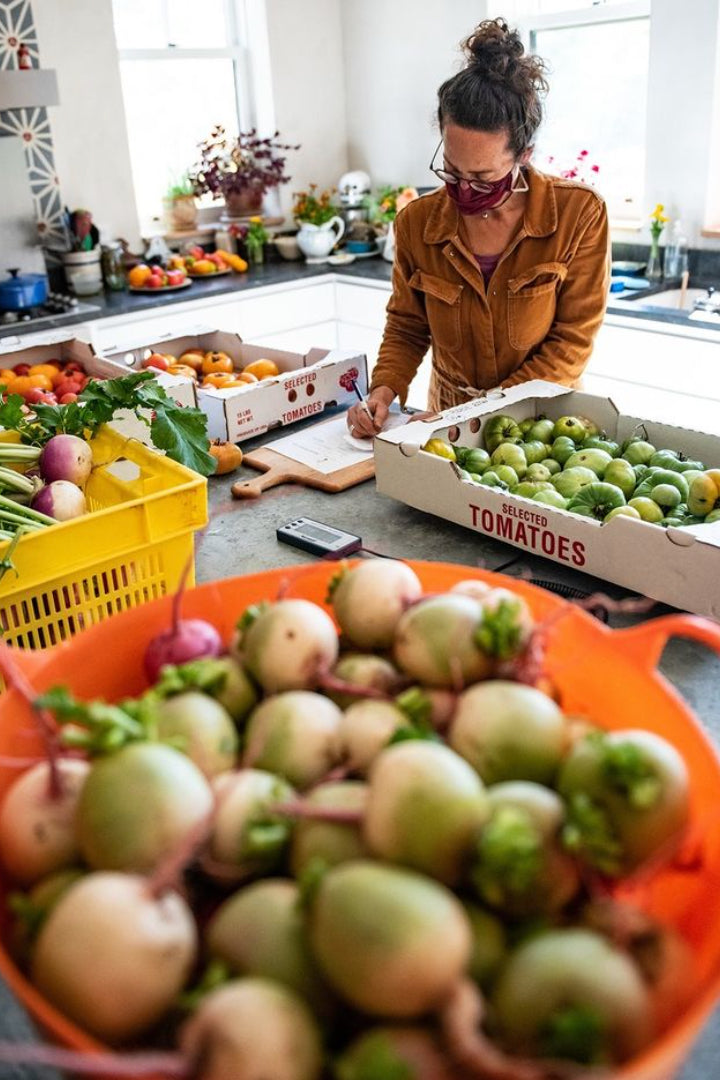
(314, 208)
(389, 201)
(232, 166)
(581, 169)
(255, 239)
(658, 221)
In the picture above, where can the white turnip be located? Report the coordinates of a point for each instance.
(543, 805)
(489, 944)
(60, 500)
(391, 942)
(113, 957)
(368, 600)
(37, 825)
(139, 803)
(367, 672)
(508, 731)
(201, 728)
(330, 842)
(221, 677)
(287, 645)
(425, 809)
(435, 642)
(66, 457)
(295, 735)
(260, 930)
(365, 729)
(247, 836)
(568, 993)
(253, 1029)
(395, 1053)
(627, 794)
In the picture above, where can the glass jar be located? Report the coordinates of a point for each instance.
(113, 267)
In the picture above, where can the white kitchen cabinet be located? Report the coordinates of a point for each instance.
(362, 305)
(302, 338)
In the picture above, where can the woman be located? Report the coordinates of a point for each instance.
(503, 270)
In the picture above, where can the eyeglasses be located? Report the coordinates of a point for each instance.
(453, 178)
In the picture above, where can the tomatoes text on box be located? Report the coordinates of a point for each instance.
(532, 532)
(304, 410)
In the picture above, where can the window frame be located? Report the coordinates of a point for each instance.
(529, 25)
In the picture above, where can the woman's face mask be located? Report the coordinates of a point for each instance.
(469, 201)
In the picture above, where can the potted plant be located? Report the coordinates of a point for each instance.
(241, 169)
(384, 208)
(180, 209)
(320, 225)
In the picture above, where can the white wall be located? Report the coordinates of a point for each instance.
(306, 56)
(396, 53)
(92, 159)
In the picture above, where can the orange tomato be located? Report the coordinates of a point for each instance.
(42, 382)
(247, 377)
(193, 358)
(215, 362)
(7, 375)
(22, 385)
(219, 381)
(139, 275)
(51, 370)
(261, 369)
(182, 369)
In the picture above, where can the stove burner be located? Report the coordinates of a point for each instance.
(56, 305)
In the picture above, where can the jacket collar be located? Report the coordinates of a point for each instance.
(540, 217)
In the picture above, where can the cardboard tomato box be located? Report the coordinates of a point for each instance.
(678, 566)
(49, 345)
(178, 387)
(306, 385)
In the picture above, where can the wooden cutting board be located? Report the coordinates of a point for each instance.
(277, 469)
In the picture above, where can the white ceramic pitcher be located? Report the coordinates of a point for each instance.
(317, 241)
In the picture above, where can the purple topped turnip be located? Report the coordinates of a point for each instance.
(368, 600)
(253, 1029)
(508, 731)
(61, 500)
(391, 942)
(139, 803)
(187, 639)
(112, 956)
(201, 728)
(38, 830)
(66, 457)
(426, 807)
(287, 645)
(294, 735)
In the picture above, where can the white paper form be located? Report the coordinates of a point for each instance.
(326, 447)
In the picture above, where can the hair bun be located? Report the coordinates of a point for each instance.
(494, 47)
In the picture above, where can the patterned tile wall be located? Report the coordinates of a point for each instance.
(17, 26)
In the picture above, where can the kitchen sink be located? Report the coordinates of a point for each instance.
(695, 299)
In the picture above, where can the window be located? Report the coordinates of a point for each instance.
(598, 56)
(182, 71)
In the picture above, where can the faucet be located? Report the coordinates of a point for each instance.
(709, 302)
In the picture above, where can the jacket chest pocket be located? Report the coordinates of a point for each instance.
(442, 306)
(532, 300)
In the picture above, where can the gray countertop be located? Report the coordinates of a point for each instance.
(240, 539)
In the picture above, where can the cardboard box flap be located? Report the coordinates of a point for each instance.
(39, 348)
(138, 339)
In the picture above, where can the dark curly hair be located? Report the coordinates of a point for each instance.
(500, 88)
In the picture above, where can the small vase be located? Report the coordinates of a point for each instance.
(243, 203)
(256, 253)
(317, 241)
(653, 270)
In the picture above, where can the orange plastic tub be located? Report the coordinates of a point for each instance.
(606, 675)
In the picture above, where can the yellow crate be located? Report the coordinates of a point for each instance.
(133, 547)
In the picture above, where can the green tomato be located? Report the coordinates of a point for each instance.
(690, 466)
(597, 460)
(623, 511)
(512, 455)
(665, 495)
(507, 474)
(528, 489)
(638, 451)
(663, 476)
(596, 500)
(541, 430)
(490, 479)
(551, 498)
(591, 428)
(712, 517)
(474, 459)
(499, 428)
(690, 474)
(621, 473)
(641, 471)
(525, 425)
(440, 448)
(647, 509)
(534, 451)
(597, 442)
(562, 448)
(569, 482)
(538, 472)
(666, 459)
(573, 427)
(551, 465)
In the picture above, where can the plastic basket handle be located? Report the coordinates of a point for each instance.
(645, 642)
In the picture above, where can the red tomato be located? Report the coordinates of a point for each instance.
(36, 395)
(154, 282)
(72, 366)
(67, 399)
(21, 369)
(155, 360)
(66, 386)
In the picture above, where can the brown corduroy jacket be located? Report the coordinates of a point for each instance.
(538, 316)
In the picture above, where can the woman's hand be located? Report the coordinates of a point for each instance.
(363, 426)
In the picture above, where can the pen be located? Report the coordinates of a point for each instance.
(363, 402)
